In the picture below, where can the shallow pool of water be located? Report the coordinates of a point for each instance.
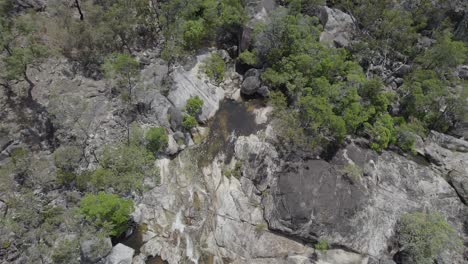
(232, 120)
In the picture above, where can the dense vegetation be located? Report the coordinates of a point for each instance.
(321, 95)
(425, 235)
(107, 211)
(328, 93)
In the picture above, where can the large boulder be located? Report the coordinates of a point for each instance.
(459, 181)
(252, 84)
(120, 254)
(338, 27)
(175, 118)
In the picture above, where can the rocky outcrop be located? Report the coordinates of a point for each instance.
(353, 201)
(189, 83)
(338, 27)
(94, 250)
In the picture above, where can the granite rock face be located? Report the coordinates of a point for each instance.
(354, 208)
(189, 83)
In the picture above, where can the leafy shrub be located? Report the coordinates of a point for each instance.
(67, 158)
(125, 69)
(194, 106)
(66, 252)
(214, 67)
(353, 171)
(189, 122)
(381, 133)
(248, 57)
(322, 245)
(107, 211)
(423, 236)
(123, 167)
(157, 139)
(194, 32)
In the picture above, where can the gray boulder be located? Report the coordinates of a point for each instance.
(338, 27)
(172, 146)
(459, 182)
(252, 73)
(250, 85)
(94, 250)
(462, 72)
(175, 118)
(263, 91)
(120, 254)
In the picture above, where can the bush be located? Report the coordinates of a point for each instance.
(67, 158)
(423, 236)
(194, 106)
(125, 69)
(107, 211)
(248, 57)
(194, 32)
(322, 245)
(67, 251)
(123, 168)
(353, 171)
(214, 67)
(189, 122)
(381, 133)
(157, 139)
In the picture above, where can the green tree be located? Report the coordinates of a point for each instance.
(445, 54)
(431, 100)
(318, 118)
(194, 33)
(24, 46)
(381, 133)
(107, 211)
(125, 69)
(157, 139)
(248, 57)
(67, 160)
(214, 67)
(423, 236)
(123, 168)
